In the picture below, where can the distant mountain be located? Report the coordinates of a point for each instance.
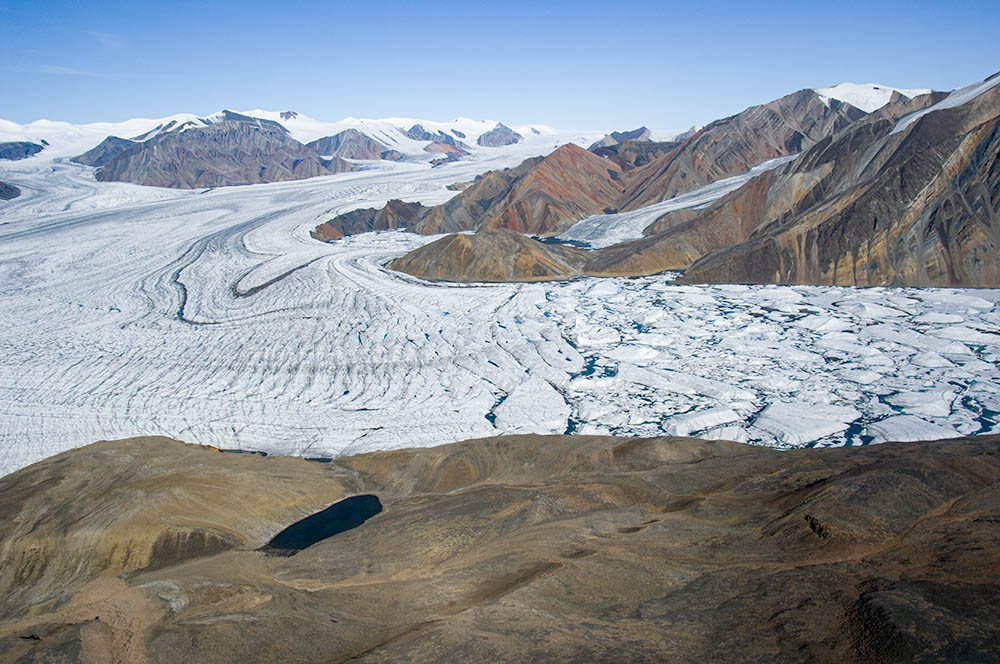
(499, 136)
(229, 149)
(630, 154)
(541, 195)
(14, 150)
(418, 133)
(616, 137)
(492, 255)
(352, 144)
(437, 147)
(8, 191)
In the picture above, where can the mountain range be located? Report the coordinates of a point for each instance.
(824, 192)
(850, 185)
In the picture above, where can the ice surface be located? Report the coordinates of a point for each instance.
(213, 317)
(908, 427)
(683, 425)
(797, 423)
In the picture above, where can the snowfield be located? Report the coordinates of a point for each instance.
(213, 317)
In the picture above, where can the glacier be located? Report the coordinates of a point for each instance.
(213, 317)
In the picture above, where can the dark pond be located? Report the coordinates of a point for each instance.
(344, 515)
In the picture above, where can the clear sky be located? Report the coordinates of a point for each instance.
(570, 64)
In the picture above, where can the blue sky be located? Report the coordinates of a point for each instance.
(573, 65)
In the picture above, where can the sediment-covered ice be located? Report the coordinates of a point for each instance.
(213, 317)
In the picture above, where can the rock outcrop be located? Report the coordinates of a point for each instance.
(15, 150)
(8, 191)
(493, 255)
(499, 136)
(234, 150)
(465, 211)
(107, 151)
(526, 548)
(352, 144)
(394, 215)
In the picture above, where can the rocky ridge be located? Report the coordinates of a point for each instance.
(15, 150)
(394, 215)
(867, 206)
(491, 255)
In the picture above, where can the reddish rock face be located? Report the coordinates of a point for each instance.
(540, 196)
(564, 187)
(443, 148)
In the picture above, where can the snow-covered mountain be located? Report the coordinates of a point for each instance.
(869, 97)
(67, 139)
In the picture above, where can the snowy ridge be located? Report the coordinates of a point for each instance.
(956, 98)
(69, 140)
(869, 97)
(213, 317)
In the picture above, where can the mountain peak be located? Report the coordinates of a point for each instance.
(869, 97)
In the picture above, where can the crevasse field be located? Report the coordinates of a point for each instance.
(213, 317)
